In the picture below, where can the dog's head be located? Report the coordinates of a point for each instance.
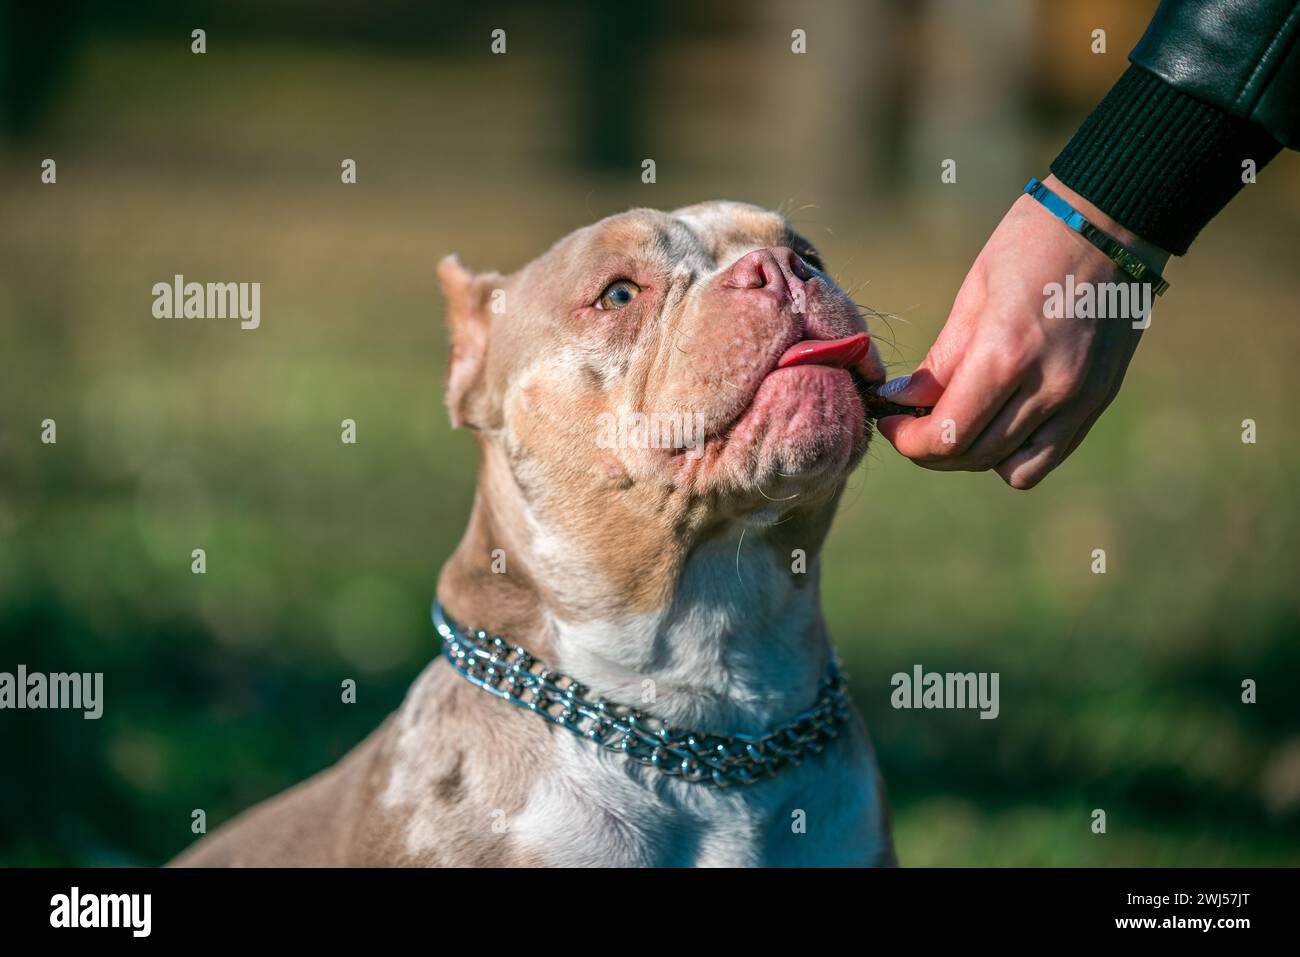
(665, 374)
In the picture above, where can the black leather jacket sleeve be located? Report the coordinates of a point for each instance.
(1242, 56)
(1213, 92)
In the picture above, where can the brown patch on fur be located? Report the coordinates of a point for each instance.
(473, 595)
(343, 817)
(636, 533)
(451, 787)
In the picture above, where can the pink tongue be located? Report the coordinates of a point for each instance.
(842, 353)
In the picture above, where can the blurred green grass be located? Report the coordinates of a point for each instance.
(1118, 691)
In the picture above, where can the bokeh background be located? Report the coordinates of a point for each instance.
(1118, 691)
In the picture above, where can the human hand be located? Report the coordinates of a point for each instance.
(1012, 390)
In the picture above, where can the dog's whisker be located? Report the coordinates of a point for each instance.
(788, 498)
(741, 541)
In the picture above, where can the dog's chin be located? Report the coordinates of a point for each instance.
(805, 428)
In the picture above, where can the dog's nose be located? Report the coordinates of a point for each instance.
(778, 268)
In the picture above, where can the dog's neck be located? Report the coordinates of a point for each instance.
(737, 645)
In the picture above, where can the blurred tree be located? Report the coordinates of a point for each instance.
(37, 42)
(616, 44)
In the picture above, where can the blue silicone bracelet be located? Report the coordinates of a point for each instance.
(1120, 255)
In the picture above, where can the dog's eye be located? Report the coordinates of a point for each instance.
(809, 255)
(618, 294)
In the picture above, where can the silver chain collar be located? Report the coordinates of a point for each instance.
(510, 672)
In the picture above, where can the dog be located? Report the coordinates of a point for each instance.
(676, 581)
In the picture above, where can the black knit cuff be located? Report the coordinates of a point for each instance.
(1158, 161)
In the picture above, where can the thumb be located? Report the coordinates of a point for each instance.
(922, 387)
(926, 384)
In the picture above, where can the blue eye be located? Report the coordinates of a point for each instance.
(618, 294)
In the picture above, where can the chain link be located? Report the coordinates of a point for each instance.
(510, 672)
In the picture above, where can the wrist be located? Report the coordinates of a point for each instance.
(1147, 251)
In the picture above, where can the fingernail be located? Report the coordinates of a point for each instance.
(893, 387)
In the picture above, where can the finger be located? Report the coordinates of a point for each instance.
(1028, 472)
(926, 384)
(975, 395)
(1045, 449)
(1089, 422)
(889, 426)
(1024, 412)
(1029, 469)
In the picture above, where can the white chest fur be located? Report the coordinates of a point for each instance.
(594, 808)
(740, 650)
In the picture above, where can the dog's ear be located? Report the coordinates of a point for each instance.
(467, 320)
